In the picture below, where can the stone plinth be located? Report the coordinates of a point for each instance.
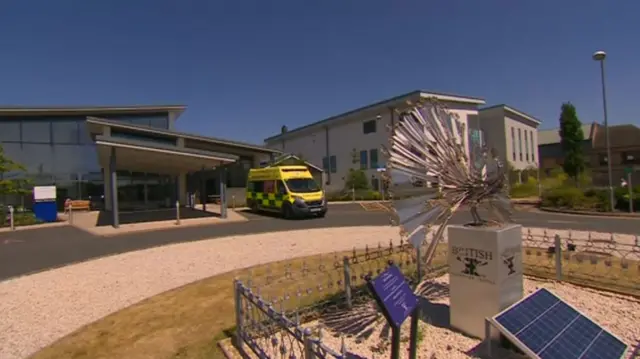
(485, 270)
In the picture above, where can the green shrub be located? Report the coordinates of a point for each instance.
(570, 197)
(19, 219)
(357, 179)
(563, 197)
(527, 189)
(597, 199)
(623, 198)
(360, 195)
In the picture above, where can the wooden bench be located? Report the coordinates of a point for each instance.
(80, 205)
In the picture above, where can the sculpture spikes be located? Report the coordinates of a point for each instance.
(430, 145)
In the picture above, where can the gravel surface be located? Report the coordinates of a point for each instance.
(38, 309)
(619, 314)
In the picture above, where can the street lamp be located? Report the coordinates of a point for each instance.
(600, 56)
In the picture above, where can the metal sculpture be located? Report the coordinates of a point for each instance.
(430, 145)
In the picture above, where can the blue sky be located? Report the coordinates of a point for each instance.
(244, 68)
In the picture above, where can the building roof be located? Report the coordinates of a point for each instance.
(159, 131)
(513, 111)
(394, 101)
(552, 136)
(279, 160)
(620, 135)
(88, 110)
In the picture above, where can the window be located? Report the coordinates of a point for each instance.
(325, 164)
(513, 142)
(84, 135)
(14, 152)
(39, 158)
(159, 122)
(631, 157)
(526, 145)
(281, 188)
(333, 164)
(9, 131)
(363, 160)
(369, 126)
(533, 151)
(373, 158)
(602, 159)
(35, 131)
(302, 185)
(65, 132)
(255, 186)
(67, 159)
(143, 137)
(269, 187)
(375, 184)
(520, 143)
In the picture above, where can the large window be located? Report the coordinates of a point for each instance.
(526, 145)
(158, 121)
(143, 137)
(9, 131)
(513, 143)
(325, 164)
(333, 162)
(65, 132)
(369, 127)
(363, 160)
(630, 157)
(520, 143)
(36, 131)
(533, 151)
(38, 158)
(373, 158)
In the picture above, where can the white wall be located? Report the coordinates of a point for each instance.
(526, 152)
(347, 136)
(497, 124)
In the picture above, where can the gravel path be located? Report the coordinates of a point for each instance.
(619, 314)
(38, 309)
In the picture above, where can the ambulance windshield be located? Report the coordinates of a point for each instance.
(302, 185)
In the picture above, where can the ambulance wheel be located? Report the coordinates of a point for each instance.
(287, 212)
(254, 207)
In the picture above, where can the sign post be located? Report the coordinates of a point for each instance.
(629, 172)
(415, 317)
(396, 300)
(44, 206)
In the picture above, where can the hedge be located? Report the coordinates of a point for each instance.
(569, 197)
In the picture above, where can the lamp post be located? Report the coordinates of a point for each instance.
(600, 56)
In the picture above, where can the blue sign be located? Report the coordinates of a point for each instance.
(354, 356)
(394, 295)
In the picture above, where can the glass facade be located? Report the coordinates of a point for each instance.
(58, 150)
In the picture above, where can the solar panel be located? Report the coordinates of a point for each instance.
(546, 327)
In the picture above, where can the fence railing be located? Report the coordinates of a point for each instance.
(276, 303)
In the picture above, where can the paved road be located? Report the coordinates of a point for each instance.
(28, 251)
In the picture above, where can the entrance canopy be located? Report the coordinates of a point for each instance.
(142, 156)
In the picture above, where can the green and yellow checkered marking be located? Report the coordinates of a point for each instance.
(271, 200)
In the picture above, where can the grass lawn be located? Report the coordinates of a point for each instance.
(187, 322)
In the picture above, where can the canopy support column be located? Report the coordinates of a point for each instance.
(113, 176)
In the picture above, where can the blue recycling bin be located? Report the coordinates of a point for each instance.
(44, 203)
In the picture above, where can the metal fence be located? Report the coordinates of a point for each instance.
(283, 309)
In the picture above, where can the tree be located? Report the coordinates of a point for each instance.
(571, 139)
(356, 179)
(10, 184)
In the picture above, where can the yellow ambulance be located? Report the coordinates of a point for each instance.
(288, 190)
